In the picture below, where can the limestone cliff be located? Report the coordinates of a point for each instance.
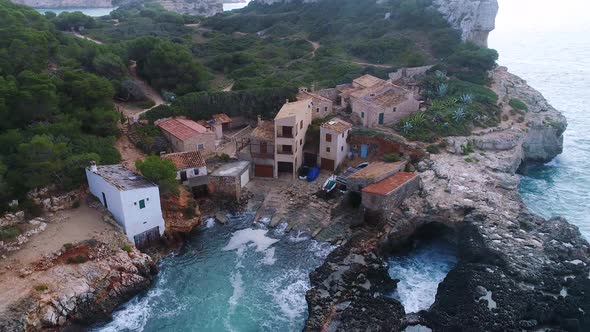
(194, 7)
(65, 3)
(475, 18)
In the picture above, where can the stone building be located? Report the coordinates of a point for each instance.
(261, 149)
(390, 192)
(373, 173)
(290, 127)
(189, 166)
(187, 135)
(229, 179)
(321, 106)
(132, 199)
(333, 144)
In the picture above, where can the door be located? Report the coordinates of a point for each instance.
(104, 201)
(327, 164)
(381, 118)
(364, 151)
(183, 176)
(264, 171)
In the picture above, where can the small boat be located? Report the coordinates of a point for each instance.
(330, 184)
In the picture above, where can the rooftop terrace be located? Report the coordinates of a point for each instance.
(123, 178)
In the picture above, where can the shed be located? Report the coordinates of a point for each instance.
(188, 165)
(389, 193)
(229, 179)
(375, 172)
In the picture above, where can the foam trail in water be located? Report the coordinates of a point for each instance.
(210, 223)
(288, 293)
(240, 239)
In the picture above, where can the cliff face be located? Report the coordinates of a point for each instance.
(475, 18)
(65, 3)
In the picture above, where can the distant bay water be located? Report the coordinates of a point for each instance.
(548, 45)
(94, 12)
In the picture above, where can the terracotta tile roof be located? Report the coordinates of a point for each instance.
(337, 125)
(265, 131)
(303, 95)
(222, 118)
(385, 94)
(184, 160)
(388, 185)
(376, 169)
(182, 129)
(368, 81)
(292, 108)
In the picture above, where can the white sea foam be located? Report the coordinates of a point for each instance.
(242, 238)
(210, 222)
(298, 237)
(238, 285)
(269, 257)
(321, 249)
(288, 293)
(280, 229)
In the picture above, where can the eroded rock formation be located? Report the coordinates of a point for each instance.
(474, 18)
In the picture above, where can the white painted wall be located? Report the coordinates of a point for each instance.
(245, 178)
(122, 205)
(193, 172)
(338, 146)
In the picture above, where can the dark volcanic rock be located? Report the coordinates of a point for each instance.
(347, 293)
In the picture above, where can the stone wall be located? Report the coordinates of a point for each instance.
(386, 203)
(51, 201)
(225, 186)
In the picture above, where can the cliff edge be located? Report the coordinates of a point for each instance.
(474, 18)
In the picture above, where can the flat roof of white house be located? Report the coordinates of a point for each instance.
(123, 178)
(231, 169)
(291, 108)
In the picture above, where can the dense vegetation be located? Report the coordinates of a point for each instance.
(55, 104)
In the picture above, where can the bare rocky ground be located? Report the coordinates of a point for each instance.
(516, 271)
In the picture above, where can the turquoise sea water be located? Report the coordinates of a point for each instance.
(94, 12)
(548, 45)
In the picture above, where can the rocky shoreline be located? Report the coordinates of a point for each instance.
(516, 271)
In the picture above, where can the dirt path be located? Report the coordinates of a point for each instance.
(366, 64)
(87, 38)
(315, 45)
(228, 88)
(129, 152)
(68, 226)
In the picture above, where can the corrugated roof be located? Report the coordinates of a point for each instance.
(337, 125)
(376, 169)
(184, 160)
(291, 108)
(265, 131)
(388, 185)
(182, 129)
(222, 118)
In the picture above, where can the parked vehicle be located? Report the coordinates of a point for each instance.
(330, 184)
(313, 174)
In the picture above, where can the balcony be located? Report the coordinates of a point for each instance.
(285, 149)
(285, 132)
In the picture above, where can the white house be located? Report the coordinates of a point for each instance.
(188, 165)
(132, 199)
(333, 145)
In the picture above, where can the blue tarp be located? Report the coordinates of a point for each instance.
(313, 174)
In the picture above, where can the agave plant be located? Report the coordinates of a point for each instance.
(440, 75)
(442, 90)
(466, 99)
(459, 114)
(407, 127)
(417, 119)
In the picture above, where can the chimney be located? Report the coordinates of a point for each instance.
(93, 167)
(259, 120)
(287, 101)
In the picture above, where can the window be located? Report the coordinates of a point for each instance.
(200, 147)
(317, 110)
(301, 125)
(395, 109)
(342, 135)
(328, 149)
(342, 148)
(362, 115)
(301, 141)
(325, 109)
(328, 137)
(142, 204)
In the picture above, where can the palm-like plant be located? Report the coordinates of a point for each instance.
(442, 90)
(406, 127)
(459, 114)
(466, 98)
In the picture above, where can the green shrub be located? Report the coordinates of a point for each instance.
(469, 160)
(517, 104)
(9, 232)
(467, 149)
(68, 246)
(520, 119)
(224, 157)
(77, 260)
(391, 157)
(434, 149)
(126, 248)
(41, 288)
(32, 210)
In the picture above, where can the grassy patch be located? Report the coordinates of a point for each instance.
(126, 248)
(517, 104)
(469, 160)
(77, 259)
(41, 288)
(434, 149)
(9, 232)
(391, 157)
(68, 246)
